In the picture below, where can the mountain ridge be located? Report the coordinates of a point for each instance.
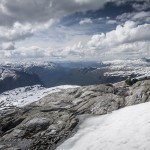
(76, 73)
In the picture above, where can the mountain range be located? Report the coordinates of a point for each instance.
(50, 74)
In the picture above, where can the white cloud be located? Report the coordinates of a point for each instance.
(142, 6)
(75, 50)
(111, 22)
(20, 31)
(141, 14)
(7, 46)
(128, 40)
(69, 52)
(139, 17)
(30, 13)
(24, 52)
(129, 32)
(21, 19)
(37, 11)
(40, 11)
(86, 21)
(17, 32)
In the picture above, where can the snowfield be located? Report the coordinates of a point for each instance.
(20, 97)
(127, 67)
(124, 129)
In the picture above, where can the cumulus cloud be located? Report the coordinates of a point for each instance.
(72, 52)
(126, 41)
(38, 11)
(137, 4)
(7, 46)
(20, 31)
(35, 11)
(24, 52)
(111, 22)
(21, 19)
(75, 50)
(142, 6)
(69, 52)
(139, 17)
(17, 32)
(29, 13)
(86, 21)
(130, 37)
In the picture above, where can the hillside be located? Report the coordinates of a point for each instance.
(46, 123)
(11, 79)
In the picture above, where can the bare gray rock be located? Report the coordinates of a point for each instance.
(43, 125)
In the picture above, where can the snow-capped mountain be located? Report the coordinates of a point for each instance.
(136, 67)
(114, 67)
(23, 65)
(12, 78)
(52, 74)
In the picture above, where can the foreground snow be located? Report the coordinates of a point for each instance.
(20, 97)
(125, 129)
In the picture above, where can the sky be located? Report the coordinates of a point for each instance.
(74, 30)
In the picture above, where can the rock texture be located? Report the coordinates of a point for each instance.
(45, 124)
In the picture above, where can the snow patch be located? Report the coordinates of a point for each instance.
(20, 97)
(124, 129)
(127, 67)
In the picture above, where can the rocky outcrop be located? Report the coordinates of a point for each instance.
(45, 124)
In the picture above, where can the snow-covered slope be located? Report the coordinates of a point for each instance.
(7, 73)
(128, 67)
(20, 97)
(125, 129)
(23, 65)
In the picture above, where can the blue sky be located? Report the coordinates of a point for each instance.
(74, 30)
